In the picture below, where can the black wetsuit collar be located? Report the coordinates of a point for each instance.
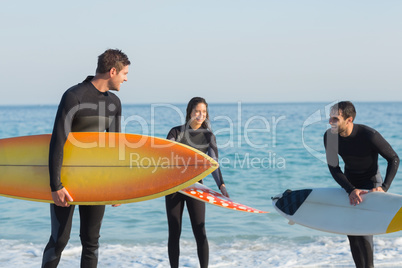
(353, 134)
(88, 80)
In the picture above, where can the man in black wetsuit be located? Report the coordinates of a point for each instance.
(86, 107)
(359, 147)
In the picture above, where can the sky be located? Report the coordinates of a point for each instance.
(226, 51)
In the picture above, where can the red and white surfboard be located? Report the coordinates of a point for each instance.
(207, 195)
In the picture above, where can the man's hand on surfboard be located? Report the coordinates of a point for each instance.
(61, 197)
(355, 196)
(378, 189)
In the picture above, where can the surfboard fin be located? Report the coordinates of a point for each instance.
(290, 201)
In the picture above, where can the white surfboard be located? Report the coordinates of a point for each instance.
(329, 210)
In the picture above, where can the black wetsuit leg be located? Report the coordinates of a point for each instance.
(196, 210)
(91, 221)
(174, 210)
(61, 227)
(91, 218)
(362, 250)
(362, 247)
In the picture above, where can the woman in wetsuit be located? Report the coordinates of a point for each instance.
(197, 134)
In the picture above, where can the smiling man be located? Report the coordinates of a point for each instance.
(359, 147)
(86, 107)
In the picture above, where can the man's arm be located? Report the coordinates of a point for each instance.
(386, 151)
(331, 151)
(115, 125)
(62, 127)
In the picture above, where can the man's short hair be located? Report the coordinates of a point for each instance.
(345, 108)
(112, 58)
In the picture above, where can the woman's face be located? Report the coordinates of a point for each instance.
(198, 115)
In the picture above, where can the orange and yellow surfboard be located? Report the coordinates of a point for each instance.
(101, 168)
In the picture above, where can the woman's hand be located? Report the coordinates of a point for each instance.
(223, 190)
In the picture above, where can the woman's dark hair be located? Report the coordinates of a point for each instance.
(190, 107)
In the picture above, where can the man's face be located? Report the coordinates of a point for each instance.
(337, 122)
(118, 78)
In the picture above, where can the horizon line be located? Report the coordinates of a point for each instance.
(210, 103)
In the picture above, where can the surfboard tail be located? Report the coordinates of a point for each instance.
(396, 223)
(290, 201)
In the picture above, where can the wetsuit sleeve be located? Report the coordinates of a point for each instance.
(213, 152)
(62, 127)
(115, 125)
(386, 151)
(172, 135)
(333, 164)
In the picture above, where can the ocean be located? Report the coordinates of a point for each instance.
(264, 149)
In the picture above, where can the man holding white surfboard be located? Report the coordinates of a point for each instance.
(359, 147)
(86, 107)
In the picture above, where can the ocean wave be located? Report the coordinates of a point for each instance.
(320, 251)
